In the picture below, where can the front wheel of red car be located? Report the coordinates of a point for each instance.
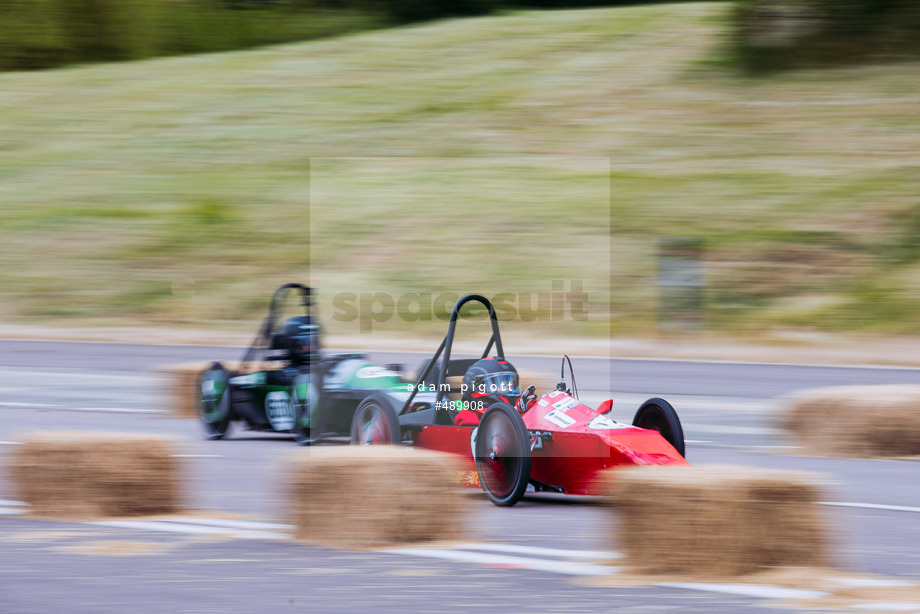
(503, 454)
(659, 415)
(375, 422)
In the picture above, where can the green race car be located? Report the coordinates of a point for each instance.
(284, 384)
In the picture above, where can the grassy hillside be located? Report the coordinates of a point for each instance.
(467, 155)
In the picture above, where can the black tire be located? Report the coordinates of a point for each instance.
(306, 392)
(375, 422)
(214, 406)
(659, 415)
(503, 454)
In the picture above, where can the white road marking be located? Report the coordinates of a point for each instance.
(810, 365)
(116, 410)
(870, 582)
(747, 590)
(56, 407)
(871, 506)
(79, 374)
(10, 443)
(483, 558)
(197, 455)
(484, 554)
(150, 341)
(729, 430)
(176, 527)
(735, 405)
(13, 508)
(231, 527)
(28, 405)
(536, 550)
(734, 446)
(234, 524)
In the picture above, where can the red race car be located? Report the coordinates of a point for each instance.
(554, 444)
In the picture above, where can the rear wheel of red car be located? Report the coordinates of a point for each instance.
(503, 454)
(375, 422)
(659, 415)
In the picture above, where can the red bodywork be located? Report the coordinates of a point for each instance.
(581, 443)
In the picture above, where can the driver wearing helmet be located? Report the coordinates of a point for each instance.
(303, 339)
(487, 381)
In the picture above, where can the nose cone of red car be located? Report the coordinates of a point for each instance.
(580, 427)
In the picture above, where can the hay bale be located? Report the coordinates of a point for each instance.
(717, 520)
(364, 497)
(182, 382)
(86, 475)
(543, 381)
(855, 421)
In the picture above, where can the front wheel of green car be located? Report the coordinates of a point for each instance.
(214, 400)
(308, 428)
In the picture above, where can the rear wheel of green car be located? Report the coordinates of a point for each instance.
(214, 400)
(375, 422)
(308, 427)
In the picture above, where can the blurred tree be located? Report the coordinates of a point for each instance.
(777, 34)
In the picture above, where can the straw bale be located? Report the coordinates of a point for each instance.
(855, 421)
(543, 381)
(717, 520)
(85, 474)
(182, 382)
(363, 497)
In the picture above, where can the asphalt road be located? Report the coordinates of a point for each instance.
(728, 411)
(751, 380)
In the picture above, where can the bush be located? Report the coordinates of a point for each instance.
(776, 34)
(46, 33)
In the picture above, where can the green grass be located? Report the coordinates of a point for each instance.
(465, 155)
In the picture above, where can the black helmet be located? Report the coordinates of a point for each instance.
(491, 379)
(303, 339)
